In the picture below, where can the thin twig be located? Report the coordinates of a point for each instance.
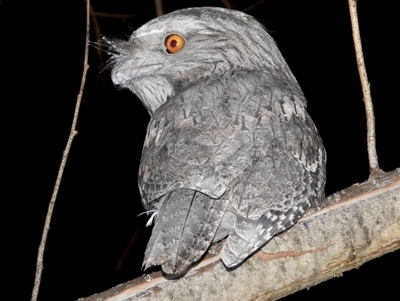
(226, 4)
(73, 133)
(96, 32)
(115, 16)
(128, 247)
(371, 141)
(159, 7)
(95, 25)
(253, 6)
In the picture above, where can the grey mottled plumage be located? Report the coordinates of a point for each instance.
(230, 149)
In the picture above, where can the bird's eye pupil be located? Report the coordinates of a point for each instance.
(174, 43)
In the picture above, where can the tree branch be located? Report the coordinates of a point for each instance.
(369, 109)
(159, 7)
(352, 227)
(73, 133)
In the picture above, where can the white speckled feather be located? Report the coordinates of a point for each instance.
(230, 149)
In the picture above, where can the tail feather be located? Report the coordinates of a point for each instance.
(184, 228)
(250, 235)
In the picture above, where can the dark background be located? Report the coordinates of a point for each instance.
(95, 218)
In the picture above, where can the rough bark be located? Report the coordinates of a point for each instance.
(352, 227)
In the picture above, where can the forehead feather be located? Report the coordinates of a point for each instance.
(196, 19)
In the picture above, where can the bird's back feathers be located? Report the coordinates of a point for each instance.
(230, 148)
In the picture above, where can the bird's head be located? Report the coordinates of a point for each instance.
(189, 46)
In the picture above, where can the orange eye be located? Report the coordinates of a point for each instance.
(174, 43)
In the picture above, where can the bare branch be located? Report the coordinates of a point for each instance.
(253, 6)
(115, 16)
(341, 236)
(128, 247)
(73, 133)
(95, 25)
(96, 30)
(226, 4)
(159, 7)
(371, 142)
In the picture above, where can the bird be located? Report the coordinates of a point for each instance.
(230, 150)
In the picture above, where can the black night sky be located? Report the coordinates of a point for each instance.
(95, 219)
